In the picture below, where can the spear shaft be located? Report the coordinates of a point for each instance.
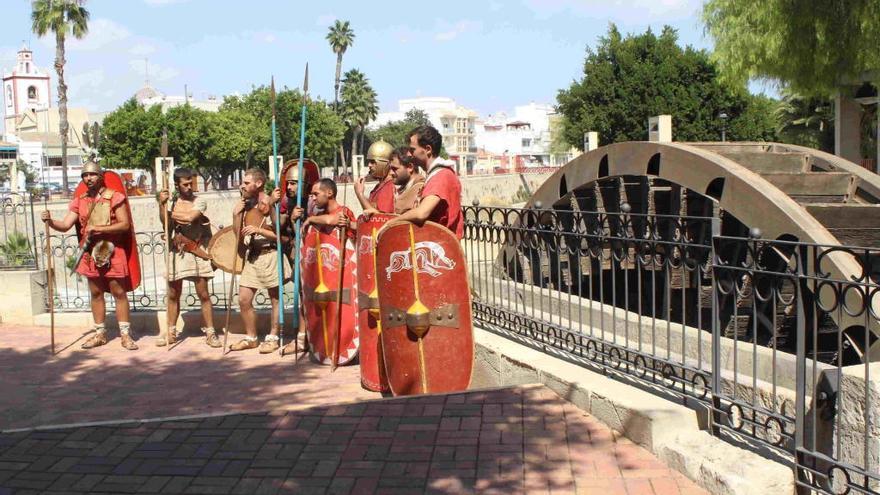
(299, 202)
(278, 228)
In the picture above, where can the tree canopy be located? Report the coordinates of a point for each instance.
(131, 136)
(810, 45)
(628, 79)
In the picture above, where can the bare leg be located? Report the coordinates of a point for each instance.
(97, 302)
(246, 305)
(201, 285)
(175, 288)
(273, 296)
(122, 314)
(118, 293)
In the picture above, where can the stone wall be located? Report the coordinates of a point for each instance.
(489, 190)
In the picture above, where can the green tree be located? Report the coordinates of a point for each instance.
(189, 136)
(395, 131)
(324, 129)
(61, 17)
(341, 37)
(131, 136)
(628, 79)
(234, 135)
(806, 121)
(810, 45)
(359, 104)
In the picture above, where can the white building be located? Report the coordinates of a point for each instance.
(149, 96)
(455, 123)
(520, 140)
(31, 122)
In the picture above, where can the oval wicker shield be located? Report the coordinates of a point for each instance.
(424, 299)
(321, 256)
(372, 364)
(222, 249)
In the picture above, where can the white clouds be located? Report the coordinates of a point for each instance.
(102, 34)
(157, 72)
(142, 49)
(448, 32)
(637, 12)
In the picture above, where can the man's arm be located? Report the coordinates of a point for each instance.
(422, 212)
(359, 188)
(64, 224)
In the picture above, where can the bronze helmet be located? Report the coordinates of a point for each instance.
(380, 152)
(89, 167)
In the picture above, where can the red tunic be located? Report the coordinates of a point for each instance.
(383, 196)
(118, 266)
(443, 183)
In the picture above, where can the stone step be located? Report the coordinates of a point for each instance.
(763, 162)
(853, 224)
(824, 184)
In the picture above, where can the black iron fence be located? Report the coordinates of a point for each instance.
(773, 338)
(72, 291)
(17, 232)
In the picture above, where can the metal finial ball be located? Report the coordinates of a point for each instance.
(539, 205)
(475, 202)
(625, 208)
(755, 233)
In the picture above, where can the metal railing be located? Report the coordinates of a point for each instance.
(72, 291)
(765, 335)
(17, 232)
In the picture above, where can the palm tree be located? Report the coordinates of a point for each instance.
(807, 121)
(340, 37)
(61, 17)
(359, 104)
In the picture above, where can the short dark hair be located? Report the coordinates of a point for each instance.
(427, 136)
(257, 174)
(327, 184)
(402, 154)
(183, 173)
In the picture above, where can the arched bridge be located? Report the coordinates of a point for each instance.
(700, 192)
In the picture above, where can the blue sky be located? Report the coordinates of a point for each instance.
(488, 55)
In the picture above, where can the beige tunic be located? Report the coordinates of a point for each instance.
(187, 266)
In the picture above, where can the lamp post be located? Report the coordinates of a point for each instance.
(723, 116)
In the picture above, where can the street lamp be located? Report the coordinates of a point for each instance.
(723, 116)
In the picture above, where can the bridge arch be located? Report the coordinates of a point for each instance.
(779, 191)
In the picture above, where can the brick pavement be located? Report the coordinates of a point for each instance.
(109, 383)
(513, 440)
(506, 441)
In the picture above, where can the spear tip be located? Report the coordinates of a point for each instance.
(306, 81)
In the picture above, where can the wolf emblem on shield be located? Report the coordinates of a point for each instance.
(430, 259)
(329, 256)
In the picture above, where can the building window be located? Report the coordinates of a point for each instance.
(27, 67)
(32, 92)
(526, 142)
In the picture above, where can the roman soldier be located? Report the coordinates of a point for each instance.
(382, 195)
(291, 212)
(190, 231)
(103, 221)
(440, 198)
(407, 179)
(253, 218)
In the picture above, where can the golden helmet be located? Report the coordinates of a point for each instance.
(89, 167)
(380, 152)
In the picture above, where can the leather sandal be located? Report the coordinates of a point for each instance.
(127, 342)
(212, 340)
(244, 344)
(269, 346)
(97, 340)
